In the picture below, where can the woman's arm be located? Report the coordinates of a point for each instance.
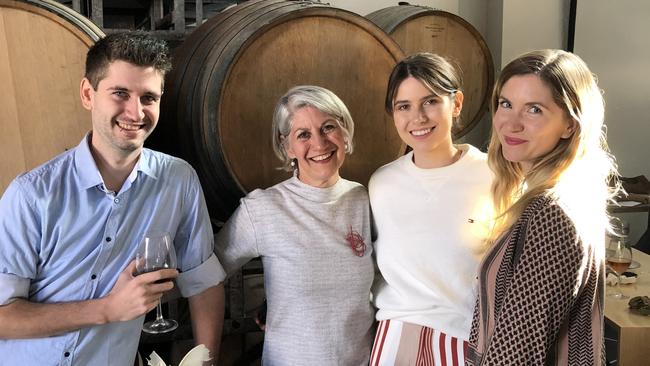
(542, 290)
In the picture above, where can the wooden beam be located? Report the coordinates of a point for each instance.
(179, 16)
(155, 13)
(97, 12)
(199, 13)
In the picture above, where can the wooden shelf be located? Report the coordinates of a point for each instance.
(165, 18)
(641, 207)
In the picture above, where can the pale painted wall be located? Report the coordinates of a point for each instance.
(529, 25)
(612, 38)
(494, 30)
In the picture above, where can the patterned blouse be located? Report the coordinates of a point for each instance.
(541, 295)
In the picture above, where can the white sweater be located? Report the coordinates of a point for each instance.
(431, 225)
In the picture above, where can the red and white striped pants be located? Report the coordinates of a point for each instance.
(399, 343)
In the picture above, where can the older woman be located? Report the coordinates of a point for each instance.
(541, 285)
(313, 234)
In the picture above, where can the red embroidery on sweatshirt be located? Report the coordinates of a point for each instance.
(355, 240)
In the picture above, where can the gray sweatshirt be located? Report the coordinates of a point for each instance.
(316, 249)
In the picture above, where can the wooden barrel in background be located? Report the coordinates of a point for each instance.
(422, 29)
(229, 73)
(43, 47)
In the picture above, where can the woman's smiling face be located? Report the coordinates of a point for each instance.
(423, 119)
(527, 121)
(317, 144)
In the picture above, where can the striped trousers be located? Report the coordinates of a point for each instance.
(405, 344)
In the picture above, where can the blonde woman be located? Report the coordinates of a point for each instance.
(541, 286)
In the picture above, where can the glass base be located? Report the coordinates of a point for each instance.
(618, 296)
(159, 326)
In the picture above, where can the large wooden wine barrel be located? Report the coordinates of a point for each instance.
(423, 29)
(43, 47)
(230, 72)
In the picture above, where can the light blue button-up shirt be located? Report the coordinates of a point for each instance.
(64, 238)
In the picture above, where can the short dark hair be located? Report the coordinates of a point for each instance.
(137, 48)
(434, 71)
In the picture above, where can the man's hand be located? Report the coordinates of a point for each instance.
(129, 298)
(132, 296)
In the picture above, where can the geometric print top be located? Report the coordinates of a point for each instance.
(541, 294)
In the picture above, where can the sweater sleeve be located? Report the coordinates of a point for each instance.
(236, 242)
(542, 291)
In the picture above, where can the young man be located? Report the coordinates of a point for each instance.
(69, 229)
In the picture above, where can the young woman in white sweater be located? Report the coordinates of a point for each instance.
(432, 210)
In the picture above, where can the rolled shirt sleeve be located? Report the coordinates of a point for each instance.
(208, 274)
(199, 266)
(12, 287)
(19, 237)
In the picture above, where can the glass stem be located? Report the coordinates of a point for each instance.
(618, 285)
(159, 316)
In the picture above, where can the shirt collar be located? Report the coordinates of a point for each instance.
(85, 165)
(88, 172)
(146, 164)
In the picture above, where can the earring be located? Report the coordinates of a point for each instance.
(293, 163)
(346, 146)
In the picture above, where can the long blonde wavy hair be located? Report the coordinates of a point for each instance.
(577, 171)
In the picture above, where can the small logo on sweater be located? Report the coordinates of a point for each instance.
(355, 240)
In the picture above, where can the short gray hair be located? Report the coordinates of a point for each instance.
(307, 96)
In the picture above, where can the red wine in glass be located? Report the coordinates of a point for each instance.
(137, 273)
(156, 252)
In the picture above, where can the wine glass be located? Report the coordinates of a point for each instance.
(619, 258)
(156, 251)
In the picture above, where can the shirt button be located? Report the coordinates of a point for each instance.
(117, 200)
(93, 277)
(108, 239)
(67, 354)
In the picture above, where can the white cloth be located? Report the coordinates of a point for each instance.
(612, 280)
(431, 225)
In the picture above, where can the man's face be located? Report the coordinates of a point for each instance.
(124, 108)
